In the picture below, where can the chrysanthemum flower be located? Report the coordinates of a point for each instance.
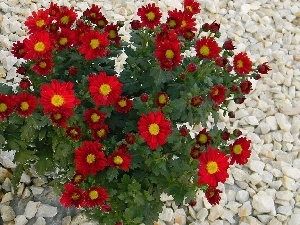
(123, 104)
(218, 93)
(100, 132)
(207, 48)
(89, 158)
(24, 83)
(94, 117)
(72, 196)
(154, 129)
(81, 28)
(213, 167)
(73, 132)
(38, 46)
(150, 15)
(58, 97)
(228, 45)
(25, 104)
(263, 68)
(101, 21)
(162, 99)
(203, 138)
(112, 30)
(240, 151)
(168, 54)
(195, 152)
(242, 64)
(38, 21)
(174, 19)
(18, 49)
(94, 44)
(196, 101)
(53, 9)
(92, 13)
(66, 38)
(59, 119)
(95, 196)
(246, 87)
(77, 178)
(120, 160)
(66, 17)
(105, 90)
(43, 67)
(7, 105)
(130, 138)
(212, 195)
(191, 7)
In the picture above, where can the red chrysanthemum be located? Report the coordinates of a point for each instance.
(105, 90)
(66, 17)
(188, 23)
(95, 196)
(94, 44)
(240, 151)
(94, 117)
(112, 30)
(196, 101)
(81, 28)
(246, 87)
(7, 105)
(92, 13)
(72, 196)
(218, 93)
(213, 167)
(59, 119)
(263, 68)
(38, 46)
(203, 138)
(195, 152)
(101, 21)
(162, 99)
(66, 38)
(74, 132)
(174, 19)
(38, 21)
(191, 7)
(154, 129)
(212, 195)
(43, 67)
(25, 104)
(150, 15)
(24, 83)
(130, 138)
(18, 50)
(120, 159)
(207, 48)
(168, 54)
(58, 97)
(228, 45)
(123, 104)
(100, 132)
(242, 64)
(89, 158)
(77, 178)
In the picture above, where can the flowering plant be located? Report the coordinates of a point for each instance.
(111, 142)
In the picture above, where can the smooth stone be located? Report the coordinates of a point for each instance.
(245, 209)
(40, 221)
(20, 220)
(45, 210)
(263, 203)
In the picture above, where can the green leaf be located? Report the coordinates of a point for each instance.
(18, 171)
(5, 89)
(112, 173)
(44, 164)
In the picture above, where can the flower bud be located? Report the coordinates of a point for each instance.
(144, 97)
(24, 83)
(234, 88)
(192, 203)
(263, 68)
(221, 61)
(237, 132)
(106, 208)
(257, 76)
(191, 67)
(130, 138)
(183, 131)
(239, 100)
(228, 45)
(182, 76)
(231, 114)
(225, 135)
(21, 70)
(135, 24)
(73, 70)
(206, 27)
(214, 27)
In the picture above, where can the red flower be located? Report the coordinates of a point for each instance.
(228, 45)
(246, 87)
(93, 44)
(162, 99)
(120, 159)
(101, 21)
(150, 15)
(21, 70)
(191, 7)
(130, 138)
(154, 129)
(195, 152)
(38, 21)
(203, 138)
(213, 167)
(58, 97)
(123, 105)
(191, 67)
(100, 132)
(225, 135)
(221, 61)
(77, 178)
(73, 70)
(18, 50)
(89, 158)
(196, 101)
(207, 48)
(74, 132)
(213, 195)
(43, 67)
(263, 68)
(144, 97)
(183, 131)
(135, 24)
(24, 83)
(217, 93)
(7, 105)
(174, 19)
(38, 46)
(168, 54)
(66, 38)
(59, 119)
(95, 196)
(92, 13)
(242, 64)
(66, 17)
(105, 90)
(72, 196)
(112, 31)
(25, 104)
(94, 117)
(240, 151)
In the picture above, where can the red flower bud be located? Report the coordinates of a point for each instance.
(225, 135)
(73, 70)
(182, 76)
(24, 83)
(21, 70)
(214, 27)
(130, 138)
(257, 76)
(263, 68)
(183, 131)
(234, 88)
(206, 27)
(192, 203)
(135, 24)
(191, 67)
(221, 61)
(144, 97)
(228, 45)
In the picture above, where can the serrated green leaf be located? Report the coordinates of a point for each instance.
(5, 89)
(112, 173)
(18, 171)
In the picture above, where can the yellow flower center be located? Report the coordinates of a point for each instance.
(183, 23)
(57, 100)
(169, 54)
(204, 50)
(3, 107)
(212, 167)
(73, 132)
(172, 23)
(101, 132)
(101, 23)
(150, 16)
(77, 178)
(105, 89)
(57, 116)
(216, 92)
(42, 64)
(237, 149)
(154, 129)
(93, 15)
(239, 63)
(95, 117)
(39, 46)
(90, 158)
(75, 196)
(94, 43)
(63, 41)
(162, 99)
(24, 106)
(112, 34)
(93, 194)
(122, 103)
(40, 23)
(203, 138)
(211, 194)
(64, 20)
(118, 160)
(188, 7)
